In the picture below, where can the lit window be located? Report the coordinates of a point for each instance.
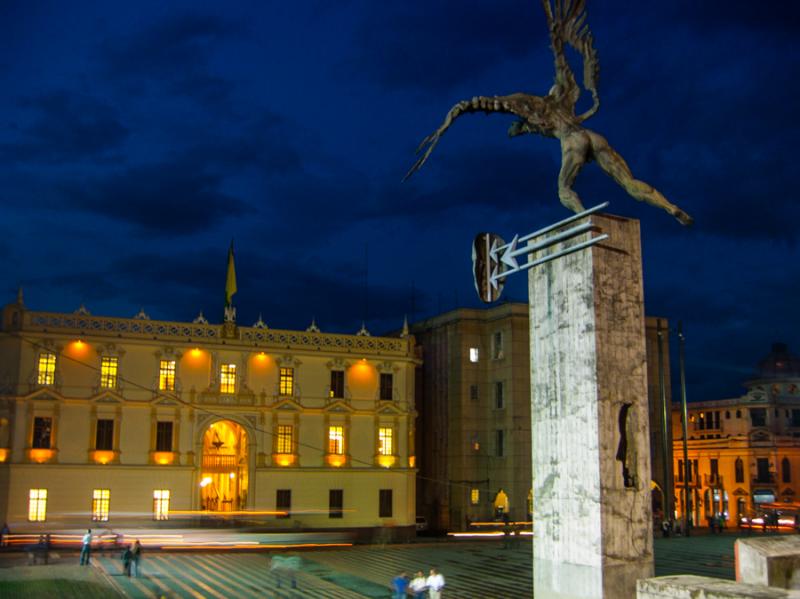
(386, 386)
(227, 378)
(100, 500)
(47, 368)
(166, 375)
(473, 354)
(42, 432)
(475, 442)
(161, 504)
(37, 505)
(385, 441)
(286, 384)
(108, 373)
(475, 496)
(336, 440)
(285, 434)
(164, 436)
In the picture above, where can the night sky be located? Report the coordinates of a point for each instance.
(138, 139)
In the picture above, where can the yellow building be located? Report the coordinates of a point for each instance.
(743, 452)
(132, 420)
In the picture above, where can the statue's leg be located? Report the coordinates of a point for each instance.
(616, 167)
(573, 157)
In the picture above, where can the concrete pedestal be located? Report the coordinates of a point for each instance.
(591, 461)
(770, 561)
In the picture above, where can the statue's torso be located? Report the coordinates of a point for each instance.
(546, 116)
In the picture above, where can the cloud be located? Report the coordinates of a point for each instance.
(173, 55)
(168, 198)
(176, 285)
(66, 127)
(437, 45)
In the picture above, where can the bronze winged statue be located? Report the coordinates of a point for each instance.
(554, 114)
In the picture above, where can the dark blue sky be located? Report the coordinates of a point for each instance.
(137, 139)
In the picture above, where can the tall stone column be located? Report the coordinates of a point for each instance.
(591, 461)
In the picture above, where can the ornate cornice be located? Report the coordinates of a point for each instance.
(52, 322)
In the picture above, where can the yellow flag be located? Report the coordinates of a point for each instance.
(230, 281)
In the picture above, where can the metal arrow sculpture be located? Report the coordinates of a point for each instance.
(493, 259)
(554, 114)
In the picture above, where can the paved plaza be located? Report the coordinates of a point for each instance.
(484, 569)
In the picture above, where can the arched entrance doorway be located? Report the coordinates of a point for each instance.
(223, 480)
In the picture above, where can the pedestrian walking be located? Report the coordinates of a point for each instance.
(435, 584)
(86, 548)
(418, 585)
(127, 558)
(282, 565)
(136, 557)
(400, 585)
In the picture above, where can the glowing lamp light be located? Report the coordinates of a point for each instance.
(336, 460)
(78, 346)
(232, 475)
(412, 461)
(205, 482)
(103, 457)
(40, 456)
(163, 457)
(196, 353)
(386, 461)
(284, 459)
(3, 455)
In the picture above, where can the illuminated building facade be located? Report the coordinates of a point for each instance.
(474, 425)
(130, 420)
(743, 452)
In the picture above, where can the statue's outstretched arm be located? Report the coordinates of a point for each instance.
(487, 104)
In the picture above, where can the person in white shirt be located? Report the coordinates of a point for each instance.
(418, 585)
(86, 549)
(435, 583)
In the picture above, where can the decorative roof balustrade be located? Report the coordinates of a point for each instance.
(268, 338)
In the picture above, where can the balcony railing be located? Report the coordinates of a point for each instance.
(219, 462)
(712, 480)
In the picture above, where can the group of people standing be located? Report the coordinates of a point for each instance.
(130, 558)
(131, 555)
(419, 585)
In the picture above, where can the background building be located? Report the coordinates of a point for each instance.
(743, 452)
(474, 437)
(131, 420)
(474, 427)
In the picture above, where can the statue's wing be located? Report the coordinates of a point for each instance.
(487, 104)
(566, 20)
